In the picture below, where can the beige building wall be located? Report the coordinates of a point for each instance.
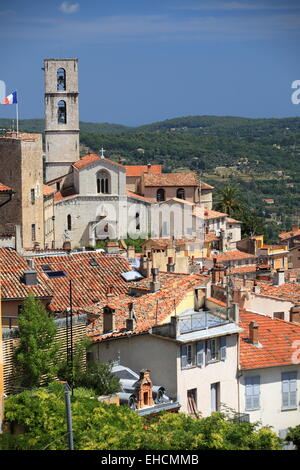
(49, 221)
(201, 378)
(259, 303)
(270, 412)
(21, 168)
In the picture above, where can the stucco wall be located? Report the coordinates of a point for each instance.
(270, 412)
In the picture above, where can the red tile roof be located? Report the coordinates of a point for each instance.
(138, 170)
(131, 194)
(4, 188)
(12, 267)
(208, 213)
(289, 291)
(89, 283)
(171, 179)
(47, 190)
(287, 235)
(150, 308)
(92, 158)
(277, 338)
(243, 269)
(233, 255)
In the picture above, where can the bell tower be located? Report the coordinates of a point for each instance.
(61, 116)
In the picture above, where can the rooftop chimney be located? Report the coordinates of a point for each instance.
(295, 228)
(110, 292)
(171, 265)
(253, 332)
(279, 277)
(154, 284)
(131, 321)
(30, 278)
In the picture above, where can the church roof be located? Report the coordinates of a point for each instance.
(92, 158)
(174, 179)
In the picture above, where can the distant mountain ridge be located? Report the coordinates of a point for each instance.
(232, 126)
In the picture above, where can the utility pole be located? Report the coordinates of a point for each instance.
(69, 415)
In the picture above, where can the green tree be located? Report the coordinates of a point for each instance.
(98, 376)
(294, 436)
(36, 354)
(228, 200)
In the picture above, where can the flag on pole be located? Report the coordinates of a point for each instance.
(11, 99)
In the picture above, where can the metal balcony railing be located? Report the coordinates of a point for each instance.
(200, 321)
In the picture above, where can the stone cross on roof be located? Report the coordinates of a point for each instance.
(102, 152)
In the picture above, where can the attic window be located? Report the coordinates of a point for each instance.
(46, 267)
(93, 262)
(55, 274)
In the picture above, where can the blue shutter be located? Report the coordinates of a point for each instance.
(183, 353)
(252, 393)
(200, 353)
(223, 342)
(289, 389)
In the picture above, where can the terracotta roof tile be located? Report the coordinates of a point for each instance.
(171, 179)
(287, 235)
(289, 291)
(4, 188)
(88, 282)
(233, 255)
(12, 267)
(47, 190)
(149, 309)
(138, 170)
(131, 194)
(277, 338)
(92, 158)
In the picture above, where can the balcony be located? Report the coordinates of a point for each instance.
(194, 321)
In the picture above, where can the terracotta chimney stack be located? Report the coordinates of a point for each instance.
(253, 332)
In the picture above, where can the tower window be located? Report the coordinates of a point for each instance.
(61, 79)
(69, 222)
(32, 196)
(61, 112)
(137, 221)
(33, 234)
(160, 195)
(180, 193)
(103, 182)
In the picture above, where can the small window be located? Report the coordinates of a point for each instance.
(137, 221)
(33, 234)
(32, 196)
(187, 356)
(192, 401)
(58, 186)
(160, 195)
(215, 396)
(279, 315)
(69, 222)
(180, 193)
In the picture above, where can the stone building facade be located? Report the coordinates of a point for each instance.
(61, 116)
(21, 167)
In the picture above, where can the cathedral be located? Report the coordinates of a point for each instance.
(83, 199)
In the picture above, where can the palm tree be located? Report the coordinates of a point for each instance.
(228, 200)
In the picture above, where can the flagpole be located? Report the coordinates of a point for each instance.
(17, 111)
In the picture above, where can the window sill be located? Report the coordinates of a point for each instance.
(294, 408)
(188, 367)
(252, 409)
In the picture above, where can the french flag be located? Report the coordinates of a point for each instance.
(11, 99)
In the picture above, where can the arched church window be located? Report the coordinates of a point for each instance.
(160, 195)
(69, 222)
(103, 182)
(61, 79)
(180, 193)
(62, 112)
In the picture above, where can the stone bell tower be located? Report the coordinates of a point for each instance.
(61, 116)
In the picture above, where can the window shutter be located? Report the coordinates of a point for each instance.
(223, 342)
(289, 389)
(285, 393)
(183, 356)
(256, 392)
(208, 351)
(252, 395)
(200, 353)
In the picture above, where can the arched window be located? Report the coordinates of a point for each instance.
(137, 221)
(61, 112)
(61, 79)
(180, 193)
(160, 195)
(69, 222)
(103, 182)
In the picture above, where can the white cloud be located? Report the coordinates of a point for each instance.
(67, 7)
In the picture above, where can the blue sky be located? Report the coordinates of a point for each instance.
(144, 61)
